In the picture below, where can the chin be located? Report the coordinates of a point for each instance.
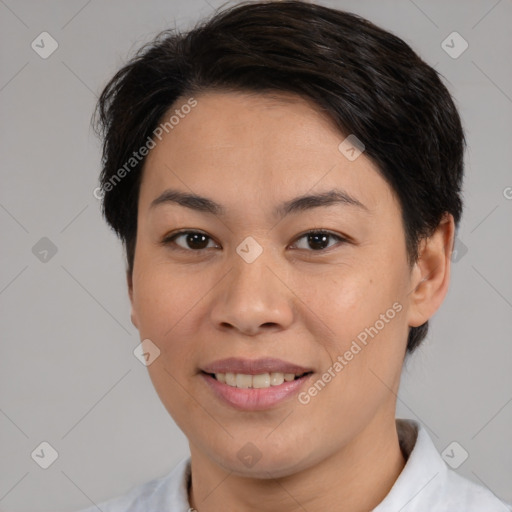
(266, 463)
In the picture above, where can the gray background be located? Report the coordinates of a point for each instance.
(67, 372)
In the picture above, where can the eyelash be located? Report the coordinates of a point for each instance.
(169, 239)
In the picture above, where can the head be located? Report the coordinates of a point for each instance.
(220, 131)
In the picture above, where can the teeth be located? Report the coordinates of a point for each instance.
(277, 378)
(230, 379)
(263, 380)
(243, 381)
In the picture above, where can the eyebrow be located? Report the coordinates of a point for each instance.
(298, 204)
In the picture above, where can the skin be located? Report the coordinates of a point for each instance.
(250, 153)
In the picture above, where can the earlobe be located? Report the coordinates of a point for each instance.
(129, 281)
(133, 319)
(431, 273)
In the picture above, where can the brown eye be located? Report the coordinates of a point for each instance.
(196, 241)
(319, 240)
(190, 240)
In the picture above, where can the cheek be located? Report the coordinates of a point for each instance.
(352, 299)
(162, 296)
(365, 312)
(165, 303)
(168, 304)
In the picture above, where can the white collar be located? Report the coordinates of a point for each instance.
(426, 484)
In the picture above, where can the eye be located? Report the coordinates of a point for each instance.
(193, 240)
(318, 240)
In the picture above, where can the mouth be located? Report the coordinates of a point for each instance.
(258, 381)
(254, 384)
(254, 392)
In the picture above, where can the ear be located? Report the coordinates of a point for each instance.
(129, 281)
(431, 273)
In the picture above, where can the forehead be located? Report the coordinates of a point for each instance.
(224, 118)
(254, 146)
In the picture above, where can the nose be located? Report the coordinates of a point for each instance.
(253, 298)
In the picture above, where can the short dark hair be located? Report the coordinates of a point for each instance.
(369, 81)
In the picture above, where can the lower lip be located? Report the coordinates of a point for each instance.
(255, 399)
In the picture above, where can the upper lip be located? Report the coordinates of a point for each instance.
(254, 366)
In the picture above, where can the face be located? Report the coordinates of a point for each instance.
(254, 280)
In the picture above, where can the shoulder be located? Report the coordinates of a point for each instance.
(458, 493)
(428, 483)
(165, 493)
(128, 502)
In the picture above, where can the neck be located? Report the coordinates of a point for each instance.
(359, 476)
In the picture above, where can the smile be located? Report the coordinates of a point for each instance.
(241, 391)
(260, 381)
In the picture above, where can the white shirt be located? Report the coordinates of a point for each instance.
(426, 484)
